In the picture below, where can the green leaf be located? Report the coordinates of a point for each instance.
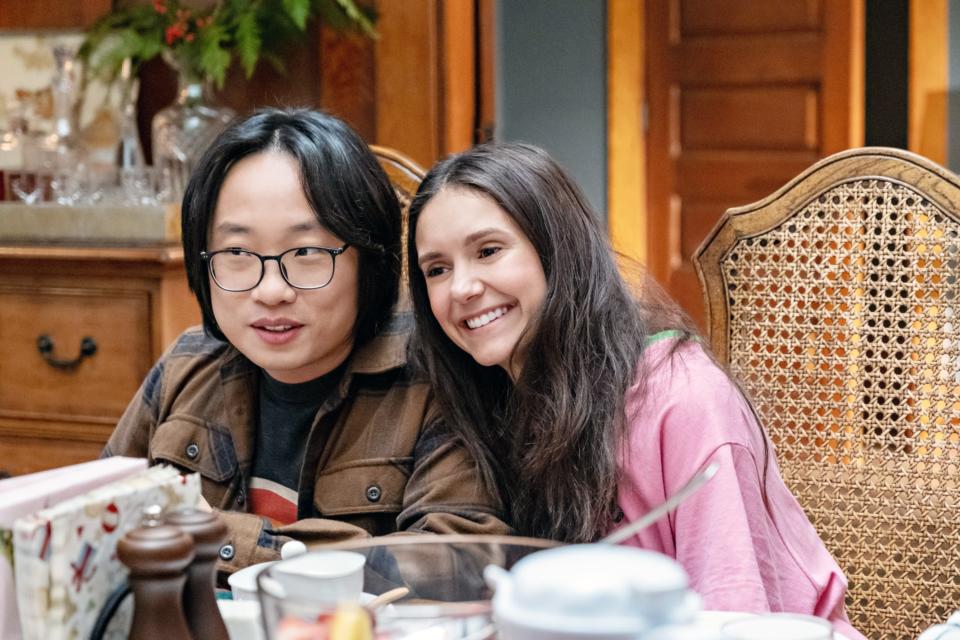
(214, 58)
(274, 61)
(248, 42)
(299, 11)
(363, 21)
(346, 15)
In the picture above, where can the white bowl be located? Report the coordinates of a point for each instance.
(783, 626)
(589, 592)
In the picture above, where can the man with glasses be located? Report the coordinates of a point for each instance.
(295, 402)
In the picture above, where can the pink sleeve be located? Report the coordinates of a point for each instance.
(722, 540)
(744, 541)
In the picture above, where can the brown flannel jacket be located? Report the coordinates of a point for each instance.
(377, 460)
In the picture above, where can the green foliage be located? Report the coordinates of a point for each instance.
(248, 42)
(205, 42)
(298, 10)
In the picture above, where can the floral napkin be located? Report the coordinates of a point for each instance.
(65, 559)
(22, 495)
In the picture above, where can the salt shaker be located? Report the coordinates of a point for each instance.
(157, 557)
(199, 598)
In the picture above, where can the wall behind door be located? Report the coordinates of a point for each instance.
(551, 84)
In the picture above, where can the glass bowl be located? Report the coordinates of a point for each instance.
(446, 598)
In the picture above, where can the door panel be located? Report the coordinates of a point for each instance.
(737, 176)
(701, 17)
(742, 96)
(748, 118)
(751, 59)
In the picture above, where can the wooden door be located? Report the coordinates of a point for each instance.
(742, 95)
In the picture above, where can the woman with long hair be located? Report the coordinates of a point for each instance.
(587, 401)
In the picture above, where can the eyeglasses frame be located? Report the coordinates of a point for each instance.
(207, 256)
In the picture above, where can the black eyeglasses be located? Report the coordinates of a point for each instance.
(301, 267)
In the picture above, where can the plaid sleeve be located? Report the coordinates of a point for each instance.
(131, 437)
(445, 493)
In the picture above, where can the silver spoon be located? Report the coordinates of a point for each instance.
(386, 598)
(696, 481)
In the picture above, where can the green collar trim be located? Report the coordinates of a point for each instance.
(663, 335)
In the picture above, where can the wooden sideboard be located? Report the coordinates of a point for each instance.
(131, 302)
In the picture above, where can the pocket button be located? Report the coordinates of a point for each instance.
(373, 493)
(192, 451)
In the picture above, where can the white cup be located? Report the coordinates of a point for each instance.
(783, 626)
(242, 619)
(322, 576)
(243, 583)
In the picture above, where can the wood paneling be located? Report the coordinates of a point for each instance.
(626, 173)
(737, 176)
(701, 17)
(697, 219)
(407, 82)
(743, 95)
(928, 79)
(749, 118)
(102, 384)
(751, 60)
(841, 84)
(348, 68)
(458, 77)
(132, 301)
(26, 454)
(51, 14)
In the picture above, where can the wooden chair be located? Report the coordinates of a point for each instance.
(836, 302)
(405, 176)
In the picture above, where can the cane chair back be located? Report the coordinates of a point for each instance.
(835, 301)
(405, 176)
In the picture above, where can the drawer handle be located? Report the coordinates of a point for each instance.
(45, 346)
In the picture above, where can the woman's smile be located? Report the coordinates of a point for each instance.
(484, 278)
(484, 319)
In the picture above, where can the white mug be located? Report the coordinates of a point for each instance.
(327, 576)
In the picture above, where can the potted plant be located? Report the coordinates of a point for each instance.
(201, 40)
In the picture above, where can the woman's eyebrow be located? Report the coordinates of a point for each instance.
(467, 241)
(477, 235)
(427, 257)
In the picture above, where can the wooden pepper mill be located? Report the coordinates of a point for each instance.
(199, 596)
(157, 557)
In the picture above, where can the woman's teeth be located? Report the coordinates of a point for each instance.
(487, 318)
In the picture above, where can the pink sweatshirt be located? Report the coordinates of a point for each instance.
(740, 556)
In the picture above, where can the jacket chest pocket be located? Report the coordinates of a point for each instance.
(364, 486)
(192, 445)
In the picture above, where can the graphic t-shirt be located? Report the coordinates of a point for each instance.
(287, 412)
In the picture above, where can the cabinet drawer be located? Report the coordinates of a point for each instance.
(100, 386)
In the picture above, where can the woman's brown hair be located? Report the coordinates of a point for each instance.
(550, 442)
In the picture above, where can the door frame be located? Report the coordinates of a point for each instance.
(631, 179)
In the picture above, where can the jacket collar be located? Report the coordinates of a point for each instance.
(239, 377)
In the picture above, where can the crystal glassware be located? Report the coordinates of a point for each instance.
(183, 130)
(441, 578)
(28, 185)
